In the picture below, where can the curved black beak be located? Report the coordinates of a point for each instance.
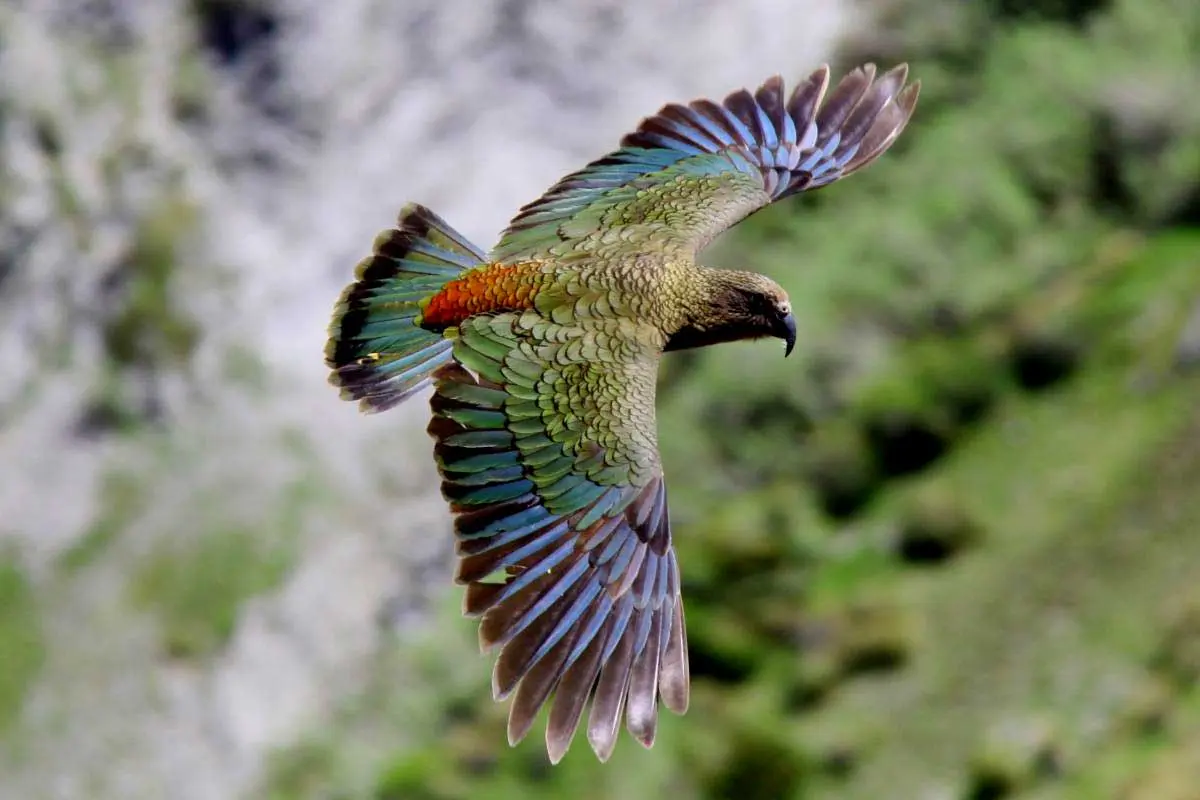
(786, 330)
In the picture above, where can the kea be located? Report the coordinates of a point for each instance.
(543, 356)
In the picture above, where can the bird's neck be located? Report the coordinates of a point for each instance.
(707, 310)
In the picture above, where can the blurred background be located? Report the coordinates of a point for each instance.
(949, 550)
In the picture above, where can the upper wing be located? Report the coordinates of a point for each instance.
(690, 172)
(546, 446)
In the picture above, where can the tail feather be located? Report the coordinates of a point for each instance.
(377, 351)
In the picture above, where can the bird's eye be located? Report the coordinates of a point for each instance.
(784, 308)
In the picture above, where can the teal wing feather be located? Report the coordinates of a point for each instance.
(549, 460)
(377, 351)
(690, 172)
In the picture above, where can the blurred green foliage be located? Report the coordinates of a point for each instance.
(219, 555)
(197, 589)
(148, 328)
(934, 556)
(122, 497)
(22, 649)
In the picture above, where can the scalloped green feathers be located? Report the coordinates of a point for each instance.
(377, 350)
(690, 172)
(576, 526)
(544, 357)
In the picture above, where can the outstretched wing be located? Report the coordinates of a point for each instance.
(690, 172)
(546, 444)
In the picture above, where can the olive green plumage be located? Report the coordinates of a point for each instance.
(544, 356)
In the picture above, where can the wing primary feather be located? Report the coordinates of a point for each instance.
(741, 103)
(887, 127)
(685, 123)
(608, 704)
(628, 573)
(530, 574)
(553, 593)
(532, 692)
(806, 98)
(570, 619)
(769, 98)
(860, 120)
(591, 626)
(570, 697)
(524, 630)
(843, 100)
(480, 557)
(699, 112)
(731, 128)
(674, 680)
(641, 714)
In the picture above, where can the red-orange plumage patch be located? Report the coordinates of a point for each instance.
(496, 287)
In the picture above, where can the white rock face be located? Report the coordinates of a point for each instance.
(470, 107)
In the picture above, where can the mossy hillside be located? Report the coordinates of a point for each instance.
(22, 645)
(1062, 587)
(123, 221)
(122, 498)
(1004, 290)
(197, 590)
(1154, 755)
(196, 580)
(148, 329)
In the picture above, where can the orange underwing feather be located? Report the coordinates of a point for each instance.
(490, 289)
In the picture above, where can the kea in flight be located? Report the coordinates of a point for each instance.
(543, 356)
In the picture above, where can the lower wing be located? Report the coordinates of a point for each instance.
(561, 523)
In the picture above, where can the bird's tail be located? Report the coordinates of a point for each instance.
(377, 350)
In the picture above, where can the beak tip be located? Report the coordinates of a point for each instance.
(789, 337)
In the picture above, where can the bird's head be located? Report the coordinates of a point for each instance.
(737, 305)
(764, 306)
